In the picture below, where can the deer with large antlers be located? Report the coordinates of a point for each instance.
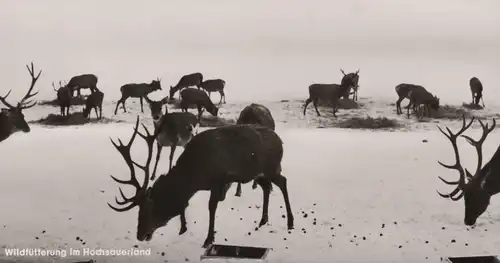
(12, 117)
(478, 188)
(64, 96)
(213, 160)
(355, 78)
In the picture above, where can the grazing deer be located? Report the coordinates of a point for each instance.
(64, 96)
(85, 81)
(330, 93)
(422, 97)
(355, 80)
(214, 85)
(478, 188)
(12, 118)
(172, 129)
(255, 114)
(194, 79)
(476, 88)
(134, 90)
(94, 100)
(192, 96)
(213, 160)
(403, 91)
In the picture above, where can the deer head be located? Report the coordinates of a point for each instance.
(471, 187)
(14, 113)
(156, 107)
(156, 84)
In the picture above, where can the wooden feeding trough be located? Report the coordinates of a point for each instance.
(475, 259)
(237, 253)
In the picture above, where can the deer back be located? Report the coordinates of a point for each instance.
(475, 85)
(323, 91)
(137, 90)
(193, 79)
(85, 80)
(256, 114)
(213, 85)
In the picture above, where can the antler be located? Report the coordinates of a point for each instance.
(457, 166)
(479, 145)
(25, 103)
(54, 86)
(341, 70)
(125, 152)
(2, 99)
(357, 71)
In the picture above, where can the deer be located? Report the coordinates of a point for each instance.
(476, 189)
(194, 79)
(422, 97)
(84, 81)
(403, 91)
(214, 85)
(255, 114)
(476, 88)
(212, 161)
(193, 96)
(134, 90)
(355, 80)
(94, 101)
(12, 118)
(173, 129)
(330, 93)
(64, 97)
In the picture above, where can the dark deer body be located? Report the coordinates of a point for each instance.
(94, 101)
(64, 96)
(211, 161)
(328, 92)
(420, 96)
(403, 91)
(355, 79)
(476, 188)
(255, 114)
(476, 88)
(214, 85)
(12, 118)
(193, 96)
(85, 81)
(194, 79)
(134, 90)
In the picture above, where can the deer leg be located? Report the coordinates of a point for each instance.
(199, 112)
(96, 113)
(408, 109)
(183, 223)
(266, 191)
(100, 112)
(118, 103)
(315, 104)
(280, 181)
(158, 154)
(222, 95)
(123, 104)
(67, 110)
(306, 104)
(212, 208)
(398, 105)
(142, 108)
(238, 190)
(171, 157)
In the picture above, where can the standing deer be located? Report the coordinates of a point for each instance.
(476, 88)
(422, 97)
(213, 160)
(12, 118)
(64, 96)
(255, 114)
(355, 80)
(194, 79)
(192, 96)
(214, 85)
(85, 81)
(172, 129)
(403, 91)
(134, 90)
(94, 100)
(478, 188)
(330, 93)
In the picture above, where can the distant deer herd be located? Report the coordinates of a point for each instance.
(250, 150)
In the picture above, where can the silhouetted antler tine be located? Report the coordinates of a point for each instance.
(24, 103)
(479, 145)
(449, 182)
(457, 166)
(2, 99)
(150, 139)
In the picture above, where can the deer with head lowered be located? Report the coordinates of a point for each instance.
(476, 88)
(192, 96)
(94, 101)
(478, 188)
(172, 129)
(214, 85)
(420, 96)
(12, 118)
(403, 91)
(330, 93)
(212, 161)
(134, 90)
(355, 79)
(64, 97)
(194, 79)
(85, 81)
